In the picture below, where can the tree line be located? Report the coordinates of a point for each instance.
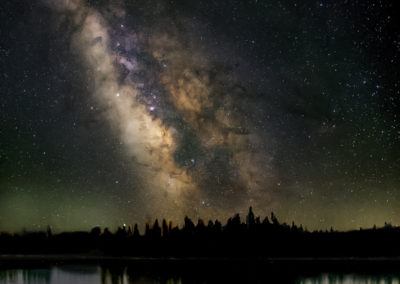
(251, 237)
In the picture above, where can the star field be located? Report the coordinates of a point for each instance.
(117, 112)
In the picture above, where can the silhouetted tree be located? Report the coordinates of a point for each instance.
(49, 234)
(200, 228)
(136, 231)
(250, 221)
(274, 219)
(95, 232)
(266, 222)
(169, 226)
(130, 231)
(121, 232)
(156, 230)
(165, 230)
(217, 226)
(189, 226)
(106, 232)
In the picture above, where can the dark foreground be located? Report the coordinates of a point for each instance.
(88, 269)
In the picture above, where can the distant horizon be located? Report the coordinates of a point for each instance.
(180, 225)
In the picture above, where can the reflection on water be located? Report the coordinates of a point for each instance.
(53, 275)
(350, 279)
(127, 275)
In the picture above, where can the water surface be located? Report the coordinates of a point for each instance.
(180, 272)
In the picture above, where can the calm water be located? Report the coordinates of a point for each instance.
(123, 275)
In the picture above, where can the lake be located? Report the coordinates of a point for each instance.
(172, 272)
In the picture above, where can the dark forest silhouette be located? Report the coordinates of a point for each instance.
(252, 238)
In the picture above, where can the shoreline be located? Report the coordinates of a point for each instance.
(83, 257)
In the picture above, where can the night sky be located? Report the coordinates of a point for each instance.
(116, 112)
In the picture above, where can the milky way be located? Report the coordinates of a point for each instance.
(134, 75)
(122, 112)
